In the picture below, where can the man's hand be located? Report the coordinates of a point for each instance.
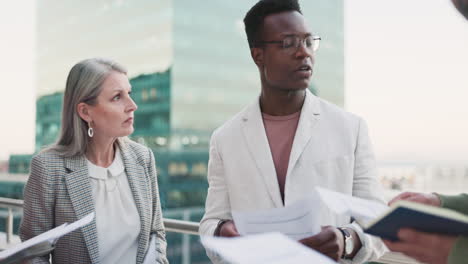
(429, 198)
(228, 229)
(425, 247)
(329, 242)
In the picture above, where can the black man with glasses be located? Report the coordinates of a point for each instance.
(275, 151)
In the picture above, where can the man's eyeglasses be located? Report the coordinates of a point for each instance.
(290, 44)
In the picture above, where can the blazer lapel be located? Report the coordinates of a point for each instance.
(79, 190)
(136, 175)
(310, 114)
(257, 141)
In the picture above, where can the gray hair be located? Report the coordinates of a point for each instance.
(83, 85)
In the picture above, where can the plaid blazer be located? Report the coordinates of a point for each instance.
(59, 191)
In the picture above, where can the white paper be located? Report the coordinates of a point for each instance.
(296, 221)
(271, 248)
(51, 236)
(361, 209)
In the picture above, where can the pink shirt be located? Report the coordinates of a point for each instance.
(280, 131)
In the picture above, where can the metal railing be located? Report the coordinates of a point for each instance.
(171, 225)
(10, 204)
(180, 226)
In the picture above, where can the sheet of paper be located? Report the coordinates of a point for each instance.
(51, 235)
(361, 209)
(73, 226)
(271, 248)
(297, 221)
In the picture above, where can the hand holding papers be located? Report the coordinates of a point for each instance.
(30, 247)
(296, 221)
(271, 248)
(300, 219)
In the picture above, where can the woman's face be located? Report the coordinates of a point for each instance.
(112, 116)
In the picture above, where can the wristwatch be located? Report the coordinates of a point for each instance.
(218, 227)
(348, 243)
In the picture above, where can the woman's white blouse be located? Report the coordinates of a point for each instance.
(117, 218)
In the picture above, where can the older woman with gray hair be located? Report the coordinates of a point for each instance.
(93, 167)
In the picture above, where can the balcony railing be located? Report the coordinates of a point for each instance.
(172, 225)
(10, 205)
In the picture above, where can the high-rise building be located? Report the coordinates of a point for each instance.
(152, 94)
(326, 18)
(19, 164)
(48, 119)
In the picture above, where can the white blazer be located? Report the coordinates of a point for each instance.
(331, 149)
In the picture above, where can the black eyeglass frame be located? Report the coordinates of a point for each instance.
(302, 41)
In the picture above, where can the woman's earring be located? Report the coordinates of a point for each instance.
(90, 130)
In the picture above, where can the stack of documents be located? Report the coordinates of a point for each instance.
(297, 221)
(300, 219)
(268, 248)
(41, 244)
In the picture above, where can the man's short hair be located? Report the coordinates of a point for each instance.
(253, 20)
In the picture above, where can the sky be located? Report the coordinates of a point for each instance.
(405, 74)
(17, 96)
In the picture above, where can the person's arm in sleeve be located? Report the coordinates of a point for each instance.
(458, 203)
(158, 224)
(217, 205)
(366, 186)
(459, 252)
(38, 207)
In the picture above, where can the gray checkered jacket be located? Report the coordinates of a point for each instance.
(59, 191)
